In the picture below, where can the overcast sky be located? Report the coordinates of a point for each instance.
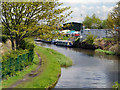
(81, 8)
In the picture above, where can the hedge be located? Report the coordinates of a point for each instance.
(16, 61)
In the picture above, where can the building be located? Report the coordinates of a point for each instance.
(73, 26)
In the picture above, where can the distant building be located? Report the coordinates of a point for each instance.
(73, 26)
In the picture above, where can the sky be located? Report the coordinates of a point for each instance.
(81, 8)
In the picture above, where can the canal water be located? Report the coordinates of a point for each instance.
(89, 70)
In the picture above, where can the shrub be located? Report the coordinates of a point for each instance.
(3, 38)
(90, 38)
(15, 61)
(27, 43)
(116, 86)
(77, 40)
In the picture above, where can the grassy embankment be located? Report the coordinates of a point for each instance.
(104, 52)
(51, 62)
(109, 43)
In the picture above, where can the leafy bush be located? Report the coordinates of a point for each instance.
(77, 40)
(15, 61)
(116, 86)
(90, 38)
(27, 43)
(3, 38)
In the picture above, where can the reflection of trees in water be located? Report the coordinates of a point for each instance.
(91, 53)
(85, 51)
(109, 57)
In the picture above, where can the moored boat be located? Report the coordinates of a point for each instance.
(64, 43)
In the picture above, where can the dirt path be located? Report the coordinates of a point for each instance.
(30, 75)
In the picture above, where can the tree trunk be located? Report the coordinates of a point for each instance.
(13, 45)
(17, 43)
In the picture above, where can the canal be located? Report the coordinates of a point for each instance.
(89, 70)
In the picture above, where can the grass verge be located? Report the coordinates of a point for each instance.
(52, 69)
(51, 62)
(104, 52)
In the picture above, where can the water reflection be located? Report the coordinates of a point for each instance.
(90, 70)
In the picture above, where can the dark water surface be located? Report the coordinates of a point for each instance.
(89, 70)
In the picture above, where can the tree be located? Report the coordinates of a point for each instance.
(114, 22)
(25, 19)
(104, 24)
(87, 22)
(110, 23)
(116, 14)
(92, 22)
(96, 22)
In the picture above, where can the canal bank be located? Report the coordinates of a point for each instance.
(89, 70)
(48, 73)
(101, 45)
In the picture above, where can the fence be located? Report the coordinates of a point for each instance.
(12, 65)
(100, 33)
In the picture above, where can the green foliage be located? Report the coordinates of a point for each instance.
(111, 39)
(63, 60)
(104, 24)
(29, 19)
(15, 61)
(92, 22)
(96, 22)
(110, 23)
(20, 75)
(63, 37)
(3, 38)
(27, 43)
(51, 70)
(115, 14)
(113, 22)
(87, 22)
(90, 39)
(116, 86)
(77, 40)
(105, 52)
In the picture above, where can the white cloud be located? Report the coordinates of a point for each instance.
(89, 1)
(90, 8)
(81, 8)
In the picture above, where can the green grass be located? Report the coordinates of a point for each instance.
(108, 39)
(50, 73)
(51, 68)
(62, 59)
(105, 52)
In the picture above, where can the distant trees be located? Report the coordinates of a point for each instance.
(92, 22)
(27, 19)
(104, 24)
(87, 22)
(96, 22)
